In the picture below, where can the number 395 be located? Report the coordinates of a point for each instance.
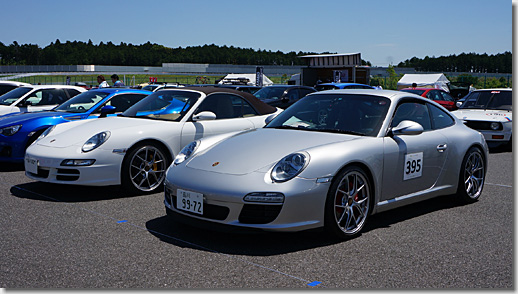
(413, 166)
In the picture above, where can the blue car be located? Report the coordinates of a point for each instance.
(335, 86)
(18, 131)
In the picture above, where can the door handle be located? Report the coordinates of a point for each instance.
(442, 147)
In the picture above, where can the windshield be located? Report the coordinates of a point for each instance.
(413, 91)
(11, 96)
(82, 102)
(501, 100)
(337, 113)
(270, 93)
(164, 105)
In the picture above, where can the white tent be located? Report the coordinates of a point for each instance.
(438, 81)
(249, 79)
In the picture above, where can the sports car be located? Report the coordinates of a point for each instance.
(135, 149)
(329, 160)
(31, 98)
(490, 111)
(19, 130)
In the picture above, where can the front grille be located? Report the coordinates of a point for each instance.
(6, 151)
(42, 173)
(67, 174)
(259, 214)
(481, 125)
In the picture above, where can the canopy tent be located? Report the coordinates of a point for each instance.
(247, 79)
(438, 81)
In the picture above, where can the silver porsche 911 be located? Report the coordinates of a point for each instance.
(330, 160)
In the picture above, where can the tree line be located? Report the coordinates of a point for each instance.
(464, 62)
(148, 54)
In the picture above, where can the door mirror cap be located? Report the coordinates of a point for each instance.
(407, 127)
(204, 115)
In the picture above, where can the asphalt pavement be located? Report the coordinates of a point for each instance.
(56, 236)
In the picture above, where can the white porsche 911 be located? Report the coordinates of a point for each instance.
(135, 149)
(330, 160)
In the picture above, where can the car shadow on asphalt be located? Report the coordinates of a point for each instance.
(11, 167)
(66, 193)
(272, 243)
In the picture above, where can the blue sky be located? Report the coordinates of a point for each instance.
(384, 32)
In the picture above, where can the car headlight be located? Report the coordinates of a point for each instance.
(95, 141)
(9, 131)
(186, 152)
(289, 167)
(495, 126)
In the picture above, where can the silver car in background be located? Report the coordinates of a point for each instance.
(330, 160)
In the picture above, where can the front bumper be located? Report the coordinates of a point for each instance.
(104, 172)
(303, 207)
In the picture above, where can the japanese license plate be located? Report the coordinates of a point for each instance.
(31, 165)
(189, 201)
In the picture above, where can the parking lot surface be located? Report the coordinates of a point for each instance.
(57, 236)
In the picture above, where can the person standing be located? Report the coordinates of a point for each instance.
(116, 81)
(102, 81)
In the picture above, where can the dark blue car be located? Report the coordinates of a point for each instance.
(18, 131)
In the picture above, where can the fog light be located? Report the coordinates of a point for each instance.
(495, 126)
(268, 197)
(77, 162)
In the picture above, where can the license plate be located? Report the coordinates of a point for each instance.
(31, 165)
(189, 201)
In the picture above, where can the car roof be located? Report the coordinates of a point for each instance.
(14, 83)
(259, 105)
(121, 90)
(422, 88)
(390, 94)
(55, 86)
(494, 89)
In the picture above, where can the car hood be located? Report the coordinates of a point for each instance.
(76, 133)
(259, 149)
(484, 115)
(21, 117)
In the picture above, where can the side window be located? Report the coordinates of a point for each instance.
(121, 102)
(242, 108)
(412, 111)
(220, 104)
(49, 97)
(35, 97)
(440, 118)
(72, 92)
(293, 94)
(446, 96)
(304, 92)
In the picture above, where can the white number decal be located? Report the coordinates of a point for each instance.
(413, 166)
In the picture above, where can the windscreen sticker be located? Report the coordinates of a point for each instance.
(413, 166)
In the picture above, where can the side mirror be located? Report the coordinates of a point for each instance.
(108, 109)
(407, 127)
(204, 115)
(25, 103)
(458, 103)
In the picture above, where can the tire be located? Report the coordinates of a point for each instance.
(348, 203)
(144, 168)
(471, 177)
